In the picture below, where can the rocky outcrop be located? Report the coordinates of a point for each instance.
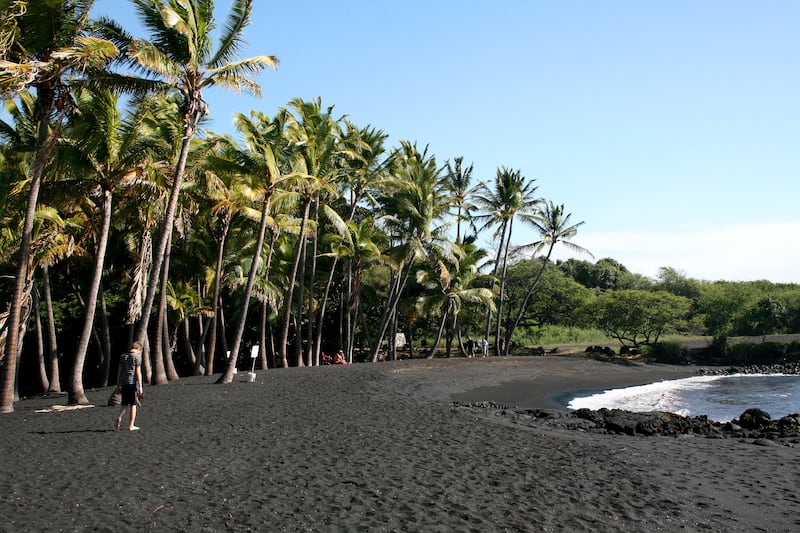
(788, 367)
(753, 424)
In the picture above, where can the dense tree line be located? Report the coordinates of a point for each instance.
(125, 218)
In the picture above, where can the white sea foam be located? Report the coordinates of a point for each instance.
(720, 398)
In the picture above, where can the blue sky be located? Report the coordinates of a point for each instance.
(670, 128)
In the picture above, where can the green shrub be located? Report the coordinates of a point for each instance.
(670, 353)
(750, 353)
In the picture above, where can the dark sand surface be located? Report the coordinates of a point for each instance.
(379, 447)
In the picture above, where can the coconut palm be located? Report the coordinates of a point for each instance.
(452, 281)
(314, 136)
(510, 197)
(180, 56)
(44, 48)
(417, 206)
(554, 227)
(105, 150)
(264, 144)
(457, 181)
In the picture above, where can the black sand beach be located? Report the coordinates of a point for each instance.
(379, 447)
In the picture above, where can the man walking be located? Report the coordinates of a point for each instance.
(129, 383)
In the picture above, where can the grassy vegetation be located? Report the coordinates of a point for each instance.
(559, 335)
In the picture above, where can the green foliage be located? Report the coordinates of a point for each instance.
(670, 353)
(755, 353)
(605, 274)
(549, 335)
(639, 317)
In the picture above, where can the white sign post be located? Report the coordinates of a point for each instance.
(253, 356)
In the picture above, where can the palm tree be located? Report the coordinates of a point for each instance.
(454, 281)
(46, 50)
(554, 227)
(315, 149)
(511, 197)
(417, 209)
(180, 55)
(457, 179)
(265, 142)
(109, 150)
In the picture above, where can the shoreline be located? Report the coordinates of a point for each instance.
(379, 447)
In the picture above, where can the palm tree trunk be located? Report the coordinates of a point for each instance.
(190, 122)
(227, 376)
(45, 142)
(105, 335)
(159, 372)
(262, 347)
(55, 372)
(497, 339)
(311, 348)
(40, 344)
(212, 343)
(528, 294)
(301, 280)
(439, 332)
(76, 392)
(187, 342)
(392, 302)
(488, 331)
(284, 338)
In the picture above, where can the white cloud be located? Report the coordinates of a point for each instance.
(739, 252)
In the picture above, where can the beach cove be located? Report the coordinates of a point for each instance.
(380, 447)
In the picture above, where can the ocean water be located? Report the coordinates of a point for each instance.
(721, 398)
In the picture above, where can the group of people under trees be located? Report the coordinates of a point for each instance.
(337, 359)
(472, 346)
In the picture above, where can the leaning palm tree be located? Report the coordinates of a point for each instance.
(104, 150)
(180, 55)
(510, 198)
(259, 160)
(554, 227)
(45, 48)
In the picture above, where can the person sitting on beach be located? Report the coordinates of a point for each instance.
(338, 359)
(129, 383)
